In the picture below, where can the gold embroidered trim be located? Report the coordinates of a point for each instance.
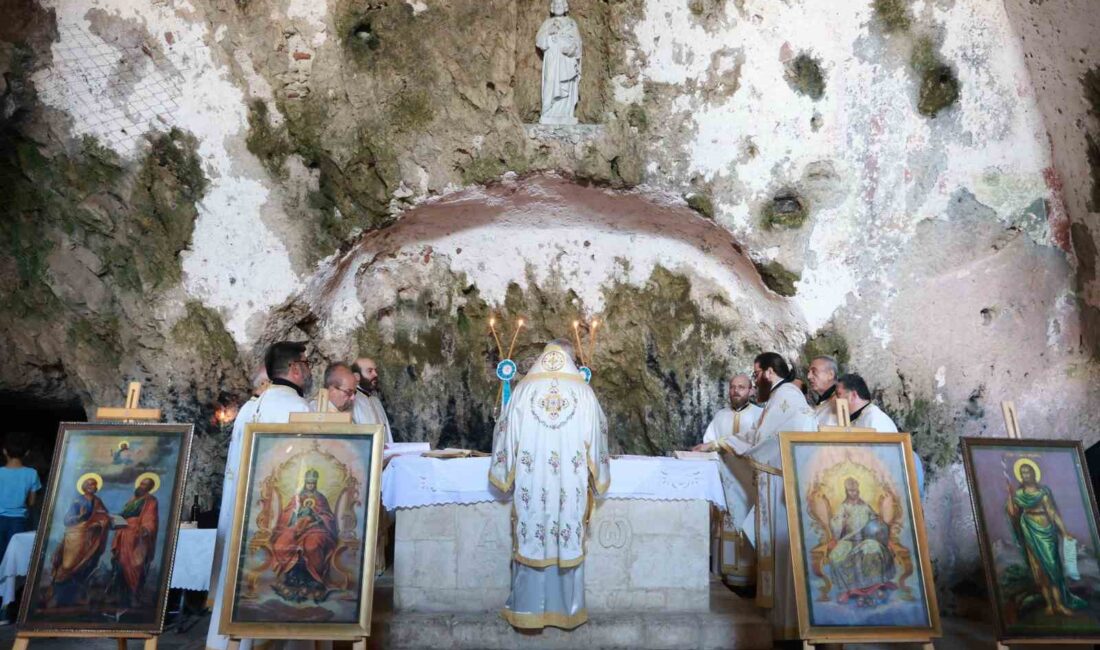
(568, 376)
(536, 621)
(553, 561)
(767, 469)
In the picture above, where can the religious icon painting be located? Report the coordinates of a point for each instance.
(859, 553)
(106, 539)
(1037, 531)
(301, 554)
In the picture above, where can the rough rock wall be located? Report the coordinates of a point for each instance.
(1060, 41)
(197, 177)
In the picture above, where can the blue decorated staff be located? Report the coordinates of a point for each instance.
(506, 368)
(586, 359)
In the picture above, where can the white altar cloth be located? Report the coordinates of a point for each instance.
(194, 557)
(415, 481)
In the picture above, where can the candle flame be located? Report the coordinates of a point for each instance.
(521, 322)
(225, 414)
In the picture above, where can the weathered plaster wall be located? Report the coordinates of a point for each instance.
(203, 177)
(1061, 41)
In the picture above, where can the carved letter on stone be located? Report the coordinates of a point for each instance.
(560, 42)
(614, 533)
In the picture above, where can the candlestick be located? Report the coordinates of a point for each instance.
(592, 339)
(512, 347)
(577, 338)
(496, 337)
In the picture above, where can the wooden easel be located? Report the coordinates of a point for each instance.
(323, 415)
(844, 423)
(130, 412)
(1012, 425)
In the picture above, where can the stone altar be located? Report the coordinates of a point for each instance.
(642, 556)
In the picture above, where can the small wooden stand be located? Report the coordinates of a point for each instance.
(356, 644)
(128, 413)
(1012, 423)
(23, 638)
(323, 414)
(925, 644)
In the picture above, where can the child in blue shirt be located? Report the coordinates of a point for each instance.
(18, 488)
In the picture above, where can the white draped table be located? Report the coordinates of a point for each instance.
(415, 481)
(648, 546)
(194, 557)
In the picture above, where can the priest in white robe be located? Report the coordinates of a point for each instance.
(735, 557)
(822, 377)
(786, 410)
(288, 368)
(368, 405)
(550, 451)
(865, 414)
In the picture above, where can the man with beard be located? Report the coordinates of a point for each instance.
(822, 376)
(134, 546)
(735, 556)
(87, 523)
(288, 369)
(305, 537)
(368, 406)
(786, 410)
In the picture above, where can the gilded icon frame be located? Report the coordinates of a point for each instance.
(229, 620)
(67, 431)
(969, 445)
(800, 571)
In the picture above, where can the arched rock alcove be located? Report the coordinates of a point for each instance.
(681, 306)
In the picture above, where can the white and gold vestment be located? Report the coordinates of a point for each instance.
(736, 561)
(786, 410)
(550, 451)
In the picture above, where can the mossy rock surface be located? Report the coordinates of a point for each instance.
(702, 204)
(778, 278)
(805, 76)
(893, 15)
(827, 342)
(939, 89)
(656, 372)
(785, 212)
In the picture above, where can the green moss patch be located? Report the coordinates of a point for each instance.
(804, 75)
(939, 86)
(266, 142)
(786, 211)
(827, 342)
(201, 330)
(701, 203)
(778, 278)
(653, 365)
(933, 431)
(892, 15)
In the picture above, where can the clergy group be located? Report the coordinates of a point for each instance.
(550, 452)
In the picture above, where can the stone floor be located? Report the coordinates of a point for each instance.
(731, 619)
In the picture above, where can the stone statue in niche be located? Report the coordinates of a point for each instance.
(560, 42)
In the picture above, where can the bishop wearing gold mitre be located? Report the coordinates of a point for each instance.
(550, 451)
